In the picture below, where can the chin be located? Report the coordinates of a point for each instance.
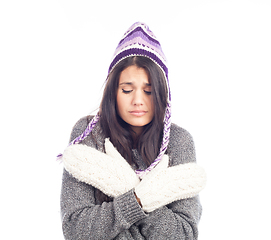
(139, 123)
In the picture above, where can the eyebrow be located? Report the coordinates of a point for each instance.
(126, 83)
(130, 83)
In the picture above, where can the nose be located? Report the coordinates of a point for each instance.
(138, 98)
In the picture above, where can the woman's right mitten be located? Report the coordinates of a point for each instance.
(110, 173)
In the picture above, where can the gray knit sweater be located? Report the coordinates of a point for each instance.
(84, 217)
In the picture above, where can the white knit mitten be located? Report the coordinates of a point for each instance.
(165, 186)
(109, 172)
(163, 164)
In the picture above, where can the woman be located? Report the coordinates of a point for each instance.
(128, 172)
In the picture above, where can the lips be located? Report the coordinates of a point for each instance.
(138, 113)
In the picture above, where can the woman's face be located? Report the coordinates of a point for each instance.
(134, 100)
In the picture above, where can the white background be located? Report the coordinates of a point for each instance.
(54, 57)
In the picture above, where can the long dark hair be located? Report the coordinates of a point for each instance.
(120, 133)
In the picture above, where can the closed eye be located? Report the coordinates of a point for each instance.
(147, 92)
(126, 91)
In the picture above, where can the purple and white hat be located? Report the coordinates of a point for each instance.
(139, 40)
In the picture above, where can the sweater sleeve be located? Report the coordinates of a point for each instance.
(83, 219)
(178, 220)
(122, 218)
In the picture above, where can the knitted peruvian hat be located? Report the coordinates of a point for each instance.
(139, 40)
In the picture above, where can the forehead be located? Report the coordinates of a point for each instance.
(134, 75)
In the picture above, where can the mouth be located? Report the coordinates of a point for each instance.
(138, 113)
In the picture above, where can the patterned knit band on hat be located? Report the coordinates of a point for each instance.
(139, 40)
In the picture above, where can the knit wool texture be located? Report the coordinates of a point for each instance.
(85, 217)
(110, 173)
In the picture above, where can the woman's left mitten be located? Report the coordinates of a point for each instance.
(169, 185)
